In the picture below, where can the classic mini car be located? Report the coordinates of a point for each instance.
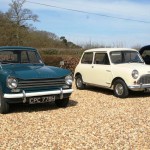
(119, 69)
(25, 79)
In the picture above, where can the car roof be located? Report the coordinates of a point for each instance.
(16, 48)
(108, 49)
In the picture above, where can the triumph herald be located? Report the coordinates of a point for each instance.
(24, 78)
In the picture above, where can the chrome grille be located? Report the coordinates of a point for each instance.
(144, 79)
(41, 83)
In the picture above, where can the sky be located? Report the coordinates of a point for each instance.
(94, 26)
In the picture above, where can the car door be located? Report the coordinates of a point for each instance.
(85, 67)
(101, 70)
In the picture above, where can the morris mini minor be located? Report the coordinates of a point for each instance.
(24, 78)
(119, 69)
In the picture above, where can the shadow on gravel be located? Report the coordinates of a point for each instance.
(18, 108)
(132, 94)
(139, 94)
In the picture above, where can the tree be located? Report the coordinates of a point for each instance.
(7, 30)
(19, 16)
(63, 39)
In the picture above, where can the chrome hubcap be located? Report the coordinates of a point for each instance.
(79, 82)
(119, 89)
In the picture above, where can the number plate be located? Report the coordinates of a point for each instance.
(44, 99)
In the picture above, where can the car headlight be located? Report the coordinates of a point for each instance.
(68, 80)
(135, 74)
(12, 82)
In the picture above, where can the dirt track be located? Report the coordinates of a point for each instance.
(94, 119)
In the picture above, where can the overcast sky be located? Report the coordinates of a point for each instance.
(89, 27)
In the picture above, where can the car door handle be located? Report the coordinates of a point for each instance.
(108, 70)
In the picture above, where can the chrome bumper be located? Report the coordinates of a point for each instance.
(139, 87)
(24, 95)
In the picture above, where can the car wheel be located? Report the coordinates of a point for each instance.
(4, 106)
(62, 102)
(79, 82)
(120, 89)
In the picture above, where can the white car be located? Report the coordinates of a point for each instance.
(119, 69)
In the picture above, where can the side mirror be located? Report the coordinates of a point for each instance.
(62, 64)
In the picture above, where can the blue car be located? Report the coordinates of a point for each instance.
(24, 78)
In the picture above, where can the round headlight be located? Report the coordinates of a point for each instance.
(68, 80)
(135, 74)
(12, 82)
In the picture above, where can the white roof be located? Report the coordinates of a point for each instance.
(109, 49)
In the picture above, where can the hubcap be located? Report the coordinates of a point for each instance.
(119, 89)
(79, 82)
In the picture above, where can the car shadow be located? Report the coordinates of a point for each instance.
(19, 108)
(132, 94)
(139, 94)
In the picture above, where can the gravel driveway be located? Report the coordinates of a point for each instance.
(94, 119)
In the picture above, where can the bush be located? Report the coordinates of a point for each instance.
(70, 62)
(52, 60)
(52, 57)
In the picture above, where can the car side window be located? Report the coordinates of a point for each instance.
(116, 57)
(101, 58)
(87, 58)
(24, 57)
(8, 57)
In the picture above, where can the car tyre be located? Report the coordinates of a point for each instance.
(62, 102)
(79, 82)
(4, 106)
(120, 89)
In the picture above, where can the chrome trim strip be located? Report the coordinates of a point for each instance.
(21, 95)
(142, 86)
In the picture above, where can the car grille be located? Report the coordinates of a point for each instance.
(144, 79)
(41, 83)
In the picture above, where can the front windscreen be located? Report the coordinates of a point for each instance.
(118, 57)
(16, 56)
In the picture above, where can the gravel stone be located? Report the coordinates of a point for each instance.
(94, 119)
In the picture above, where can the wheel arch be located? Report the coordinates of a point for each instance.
(113, 81)
(78, 73)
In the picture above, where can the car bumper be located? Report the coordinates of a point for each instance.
(139, 87)
(25, 95)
